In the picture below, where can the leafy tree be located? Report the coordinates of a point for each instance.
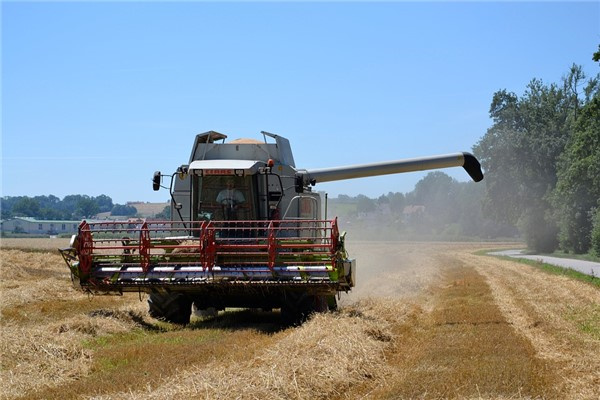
(397, 202)
(521, 151)
(595, 245)
(165, 214)
(468, 209)
(52, 213)
(438, 193)
(42, 207)
(104, 202)
(47, 202)
(51, 207)
(364, 204)
(6, 205)
(26, 207)
(499, 150)
(577, 191)
(123, 210)
(383, 199)
(86, 207)
(69, 204)
(344, 198)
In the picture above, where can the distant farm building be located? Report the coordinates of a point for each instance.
(39, 227)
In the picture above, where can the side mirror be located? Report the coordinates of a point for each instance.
(156, 181)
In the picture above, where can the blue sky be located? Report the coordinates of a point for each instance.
(97, 96)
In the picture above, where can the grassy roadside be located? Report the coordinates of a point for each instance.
(583, 257)
(549, 268)
(587, 320)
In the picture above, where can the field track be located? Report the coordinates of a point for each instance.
(426, 321)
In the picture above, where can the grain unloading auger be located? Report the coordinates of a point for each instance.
(246, 231)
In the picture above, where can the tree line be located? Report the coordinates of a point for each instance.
(71, 207)
(542, 162)
(438, 207)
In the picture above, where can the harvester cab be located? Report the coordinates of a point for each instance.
(246, 231)
(245, 179)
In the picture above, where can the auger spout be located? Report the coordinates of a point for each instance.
(465, 160)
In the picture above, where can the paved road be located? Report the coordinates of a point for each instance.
(586, 267)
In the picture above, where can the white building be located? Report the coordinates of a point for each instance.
(38, 226)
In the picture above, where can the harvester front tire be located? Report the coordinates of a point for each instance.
(297, 307)
(171, 307)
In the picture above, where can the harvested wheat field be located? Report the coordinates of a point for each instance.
(426, 321)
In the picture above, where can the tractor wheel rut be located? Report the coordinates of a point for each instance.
(460, 345)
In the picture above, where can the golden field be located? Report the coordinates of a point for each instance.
(427, 320)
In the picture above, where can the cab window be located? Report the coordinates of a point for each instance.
(224, 198)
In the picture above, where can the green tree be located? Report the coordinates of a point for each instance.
(6, 206)
(577, 191)
(438, 193)
(397, 202)
(521, 151)
(344, 199)
(595, 245)
(86, 208)
(165, 214)
(104, 202)
(48, 202)
(52, 213)
(123, 210)
(468, 208)
(50, 208)
(26, 207)
(364, 204)
(69, 205)
(499, 151)
(383, 199)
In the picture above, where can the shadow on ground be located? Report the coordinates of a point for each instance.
(233, 320)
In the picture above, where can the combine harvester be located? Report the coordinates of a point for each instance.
(246, 231)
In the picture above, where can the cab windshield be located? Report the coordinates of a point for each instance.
(224, 198)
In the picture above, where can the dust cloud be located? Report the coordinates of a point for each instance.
(391, 269)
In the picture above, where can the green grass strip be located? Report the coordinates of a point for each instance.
(549, 268)
(583, 257)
